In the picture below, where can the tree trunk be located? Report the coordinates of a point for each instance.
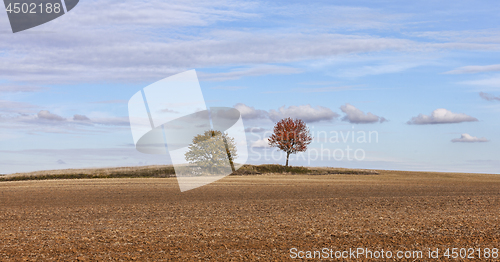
(229, 156)
(287, 155)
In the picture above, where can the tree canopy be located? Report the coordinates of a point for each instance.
(291, 136)
(212, 150)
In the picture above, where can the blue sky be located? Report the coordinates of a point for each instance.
(328, 63)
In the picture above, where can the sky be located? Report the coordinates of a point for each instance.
(416, 84)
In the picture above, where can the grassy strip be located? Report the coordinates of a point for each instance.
(268, 169)
(298, 170)
(168, 171)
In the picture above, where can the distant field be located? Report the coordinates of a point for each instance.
(242, 218)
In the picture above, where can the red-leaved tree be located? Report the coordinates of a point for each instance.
(291, 136)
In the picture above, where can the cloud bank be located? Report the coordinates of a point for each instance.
(47, 115)
(307, 113)
(83, 49)
(249, 112)
(80, 118)
(474, 69)
(441, 116)
(489, 97)
(466, 138)
(20, 88)
(356, 116)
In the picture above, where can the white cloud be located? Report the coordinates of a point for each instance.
(365, 70)
(469, 139)
(28, 118)
(352, 18)
(460, 36)
(356, 116)
(489, 97)
(89, 52)
(112, 121)
(47, 115)
(7, 106)
(474, 69)
(213, 49)
(262, 143)
(80, 118)
(307, 113)
(253, 71)
(492, 82)
(111, 42)
(441, 116)
(248, 112)
(157, 13)
(20, 88)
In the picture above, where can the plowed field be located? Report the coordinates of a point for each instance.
(247, 217)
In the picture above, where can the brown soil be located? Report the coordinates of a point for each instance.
(246, 217)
